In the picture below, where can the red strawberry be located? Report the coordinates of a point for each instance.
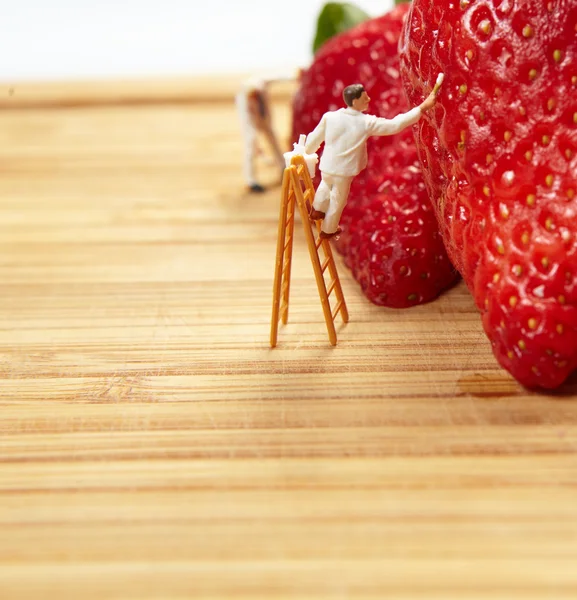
(390, 240)
(499, 153)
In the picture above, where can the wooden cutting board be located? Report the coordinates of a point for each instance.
(153, 446)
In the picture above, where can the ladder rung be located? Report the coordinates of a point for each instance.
(318, 242)
(337, 308)
(325, 264)
(309, 194)
(331, 286)
(288, 222)
(288, 242)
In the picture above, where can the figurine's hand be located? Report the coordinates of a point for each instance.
(430, 100)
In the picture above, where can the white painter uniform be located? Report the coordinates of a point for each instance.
(345, 133)
(254, 110)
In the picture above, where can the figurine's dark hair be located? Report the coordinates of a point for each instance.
(352, 92)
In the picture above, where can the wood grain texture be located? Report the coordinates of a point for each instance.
(153, 446)
(132, 92)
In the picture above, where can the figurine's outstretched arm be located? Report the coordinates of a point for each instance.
(316, 137)
(379, 126)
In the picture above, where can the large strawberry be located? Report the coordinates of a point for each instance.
(499, 153)
(390, 239)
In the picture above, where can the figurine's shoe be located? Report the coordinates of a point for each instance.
(316, 215)
(327, 236)
(257, 188)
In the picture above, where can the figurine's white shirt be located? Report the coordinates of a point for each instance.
(345, 133)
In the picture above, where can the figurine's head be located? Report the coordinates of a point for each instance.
(356, 97)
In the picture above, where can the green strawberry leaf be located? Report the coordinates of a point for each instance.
(336, 17)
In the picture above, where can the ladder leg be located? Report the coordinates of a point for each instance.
(289, 236)
(335, 277)
(315, 261)
(280, 250)
(328, 252)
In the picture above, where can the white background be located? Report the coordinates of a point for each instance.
(84, 39)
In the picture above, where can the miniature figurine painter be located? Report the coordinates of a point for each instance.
(345, 133)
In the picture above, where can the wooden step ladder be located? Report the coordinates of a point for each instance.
(297, 187)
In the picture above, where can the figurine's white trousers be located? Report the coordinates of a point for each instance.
(331, 198)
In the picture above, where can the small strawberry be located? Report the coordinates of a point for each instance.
(390, 239)
(499, 153)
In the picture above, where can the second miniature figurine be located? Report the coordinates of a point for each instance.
(345, 133)
(254, 108)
